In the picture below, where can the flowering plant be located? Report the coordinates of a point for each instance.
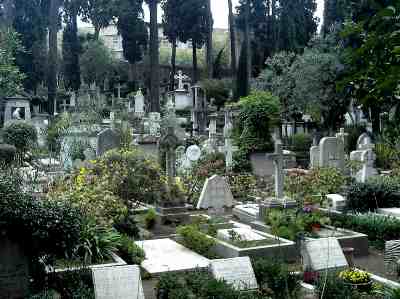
(355, 276)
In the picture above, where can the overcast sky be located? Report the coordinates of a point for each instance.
(220, 12)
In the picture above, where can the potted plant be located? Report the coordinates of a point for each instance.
(313, 219)
(357, 279)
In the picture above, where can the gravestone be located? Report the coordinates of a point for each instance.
(139, 103)
(168, 145)
(122, 282)
(216, 194)
(314, 156)
(193, 153)
(366, 158)
(279, 199)
(154, 124)
(237, 272)
(14, 271)
(107, 139)
(336, 202)
(322, 254)
(332, 153)
(364, 142)
(228, 148)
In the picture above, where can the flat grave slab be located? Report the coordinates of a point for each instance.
(246, 234)
(247, 212)
(122, 282)
(237, 272)
(395, 212)
(323, 254)
(166, 255)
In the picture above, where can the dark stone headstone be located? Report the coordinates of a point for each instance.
(14, 270)
(107, 139)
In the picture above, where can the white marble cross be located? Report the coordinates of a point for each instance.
(180, 77)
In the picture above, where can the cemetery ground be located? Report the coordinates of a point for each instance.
(157, 205)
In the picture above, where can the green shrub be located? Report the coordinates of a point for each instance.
(56, 129)
(195, 240)
(7, 154)
(258, 113)
(131, 253)
(150, 218)
(43, 227)
(21, 135)
(301, 142)
(379, 228)
(379, 192)
(97, 243)
(127, 225)
(386, 155)
(333, 287)
(275, 275)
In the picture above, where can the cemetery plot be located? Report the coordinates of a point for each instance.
(165, 255)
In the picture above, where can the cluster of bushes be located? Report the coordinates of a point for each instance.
(318, 182)
(195, 240)
(379, 228)
(378, 192)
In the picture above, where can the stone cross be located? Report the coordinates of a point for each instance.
(228, 140)
(180, 77)
(119, 90)
(169, 143)
(277, 158)
(343, 136)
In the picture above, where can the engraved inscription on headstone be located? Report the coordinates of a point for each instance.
(323, 254)
(122, 282)
(235, 271)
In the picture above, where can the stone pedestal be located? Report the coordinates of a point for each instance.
(178, 214)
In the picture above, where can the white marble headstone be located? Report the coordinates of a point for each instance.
(122, 282)
(216, 193)
(193, 153)
(237, 272)
(322, 254)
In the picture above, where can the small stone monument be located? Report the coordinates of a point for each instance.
(154, 124)
(14, 271)
(139, 104)
(17, 109)
(228, 148)
(182, 98)
(216, 194)
(332, 153)
(122, 282)
(366, 158)
(279, 199)
(322, 254)
(314, 156)
(364, 142)
(193, 153)
(237, 272)
(107, 139)
(168, 145)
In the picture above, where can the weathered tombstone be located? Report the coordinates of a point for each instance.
(237, 272)
(216, 194)
(322, 254)
(154, 124)
(211, 146)
(364, 142)
(314, 156)
(168, 145)
(336, 202)
(181, 95)
(17, 109)
(107, 139)
(366, 158)
(193, 153)
(228, 149)
(332, 153)
(199, 112)
(14, 269)
(122, 282)
(139, 103)
(279, 199)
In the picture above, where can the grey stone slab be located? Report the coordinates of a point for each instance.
(123, 282)
(325, 253)
(216, 194)
(107, 140)
(237, 272)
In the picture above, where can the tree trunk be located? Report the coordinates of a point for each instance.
(209, 41)
(194, 76)
(173, 66)
(77, 81)
(233, 40)
(154, 59)
(273, 26)
(52, 59)
(247, 45)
